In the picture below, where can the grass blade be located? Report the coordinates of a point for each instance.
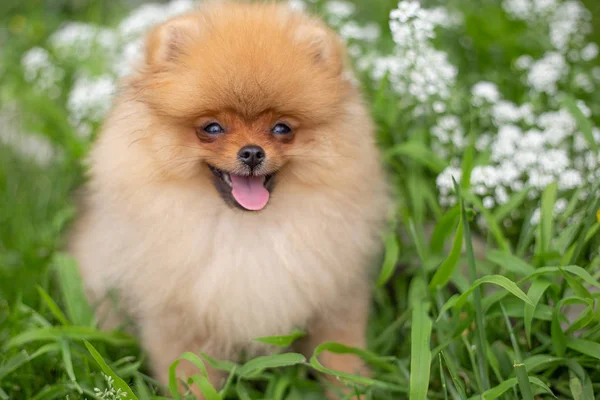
(118, 382)
(587, 347)
(282, 341)
(547, 217)
(52, 306)
(73, 332)
(392, 252)
(443, 229)
(419, 153)
(444, 272)
(499, 280)
(479, 322)
(510, 262)
(535, 293)
(71, 286)
(420, 353)
(520, 369)
(206, 388)
(259, 364)
(68, 361)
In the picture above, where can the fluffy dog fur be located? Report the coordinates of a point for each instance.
(194, 272)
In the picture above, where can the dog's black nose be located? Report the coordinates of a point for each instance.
(251, 155)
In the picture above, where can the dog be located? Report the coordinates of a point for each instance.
(235, 191)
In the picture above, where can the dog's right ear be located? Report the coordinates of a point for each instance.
(168, 41)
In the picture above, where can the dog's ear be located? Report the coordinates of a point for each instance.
(168, 41)
(325, 46)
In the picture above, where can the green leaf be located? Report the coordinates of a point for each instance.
(547, 217)
(574, 269)
(499, 390)
(446, 269)
(259, 364)
(535, 293)
(22, 358)
(454, 375)
(420, 353)
(68, 361)
(73, 332)
(225, 365)
(52, 306)
(542, 362)
(512, 204)
(118, 382)
(195, 360)
(499, 280)
(392, 252)
(443, 229)
(282, 341)
(520, 370)
(509, 262)
(419, 153)
(587, 347)
(338, 348)
(76, 304)
(493, 226)
(584, 124)
(208, 391)
(559, 340)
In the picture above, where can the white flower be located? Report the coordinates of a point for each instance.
(341, 9)
(569, 23)
(505, 112)
(589, 52)
(521, 9)
(501, 195)
(570, 179)
(554, 161)
(444, 179)
(297, 5)
(485, 175)
(488, 202)
(367, 33)
(524, 62)
(557, 125)
(485, 92)
(560, 206)
(545, 73)
(90, 98)
(584, 108)
(584, 82)
(42, 72)
(536, 217)
(80, 40)
(533, 140)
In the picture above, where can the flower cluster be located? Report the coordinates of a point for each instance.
(110, 393)
(417, 68)
(118, 49)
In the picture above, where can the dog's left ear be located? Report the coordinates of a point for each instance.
(326, 47)
(167, 42)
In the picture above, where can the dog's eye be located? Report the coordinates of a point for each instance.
(213, 129)
(281, 129)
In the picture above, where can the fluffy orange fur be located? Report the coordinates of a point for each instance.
(195, 273)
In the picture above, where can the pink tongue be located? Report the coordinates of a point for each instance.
(249, 191)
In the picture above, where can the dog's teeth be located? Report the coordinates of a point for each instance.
(227, 179)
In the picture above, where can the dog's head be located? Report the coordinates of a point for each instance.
(243, 92)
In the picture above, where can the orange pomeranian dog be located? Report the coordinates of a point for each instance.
(236, 191)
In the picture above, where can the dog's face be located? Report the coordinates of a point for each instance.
(242, 92)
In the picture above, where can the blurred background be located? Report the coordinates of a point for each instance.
(501, 95)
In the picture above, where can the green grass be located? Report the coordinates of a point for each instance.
(445, 324)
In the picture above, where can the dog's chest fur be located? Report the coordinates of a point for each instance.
(236, 274)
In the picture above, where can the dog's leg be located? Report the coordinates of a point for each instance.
(165, 344)
(346, 325)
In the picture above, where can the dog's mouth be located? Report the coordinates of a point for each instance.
(249, 192)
